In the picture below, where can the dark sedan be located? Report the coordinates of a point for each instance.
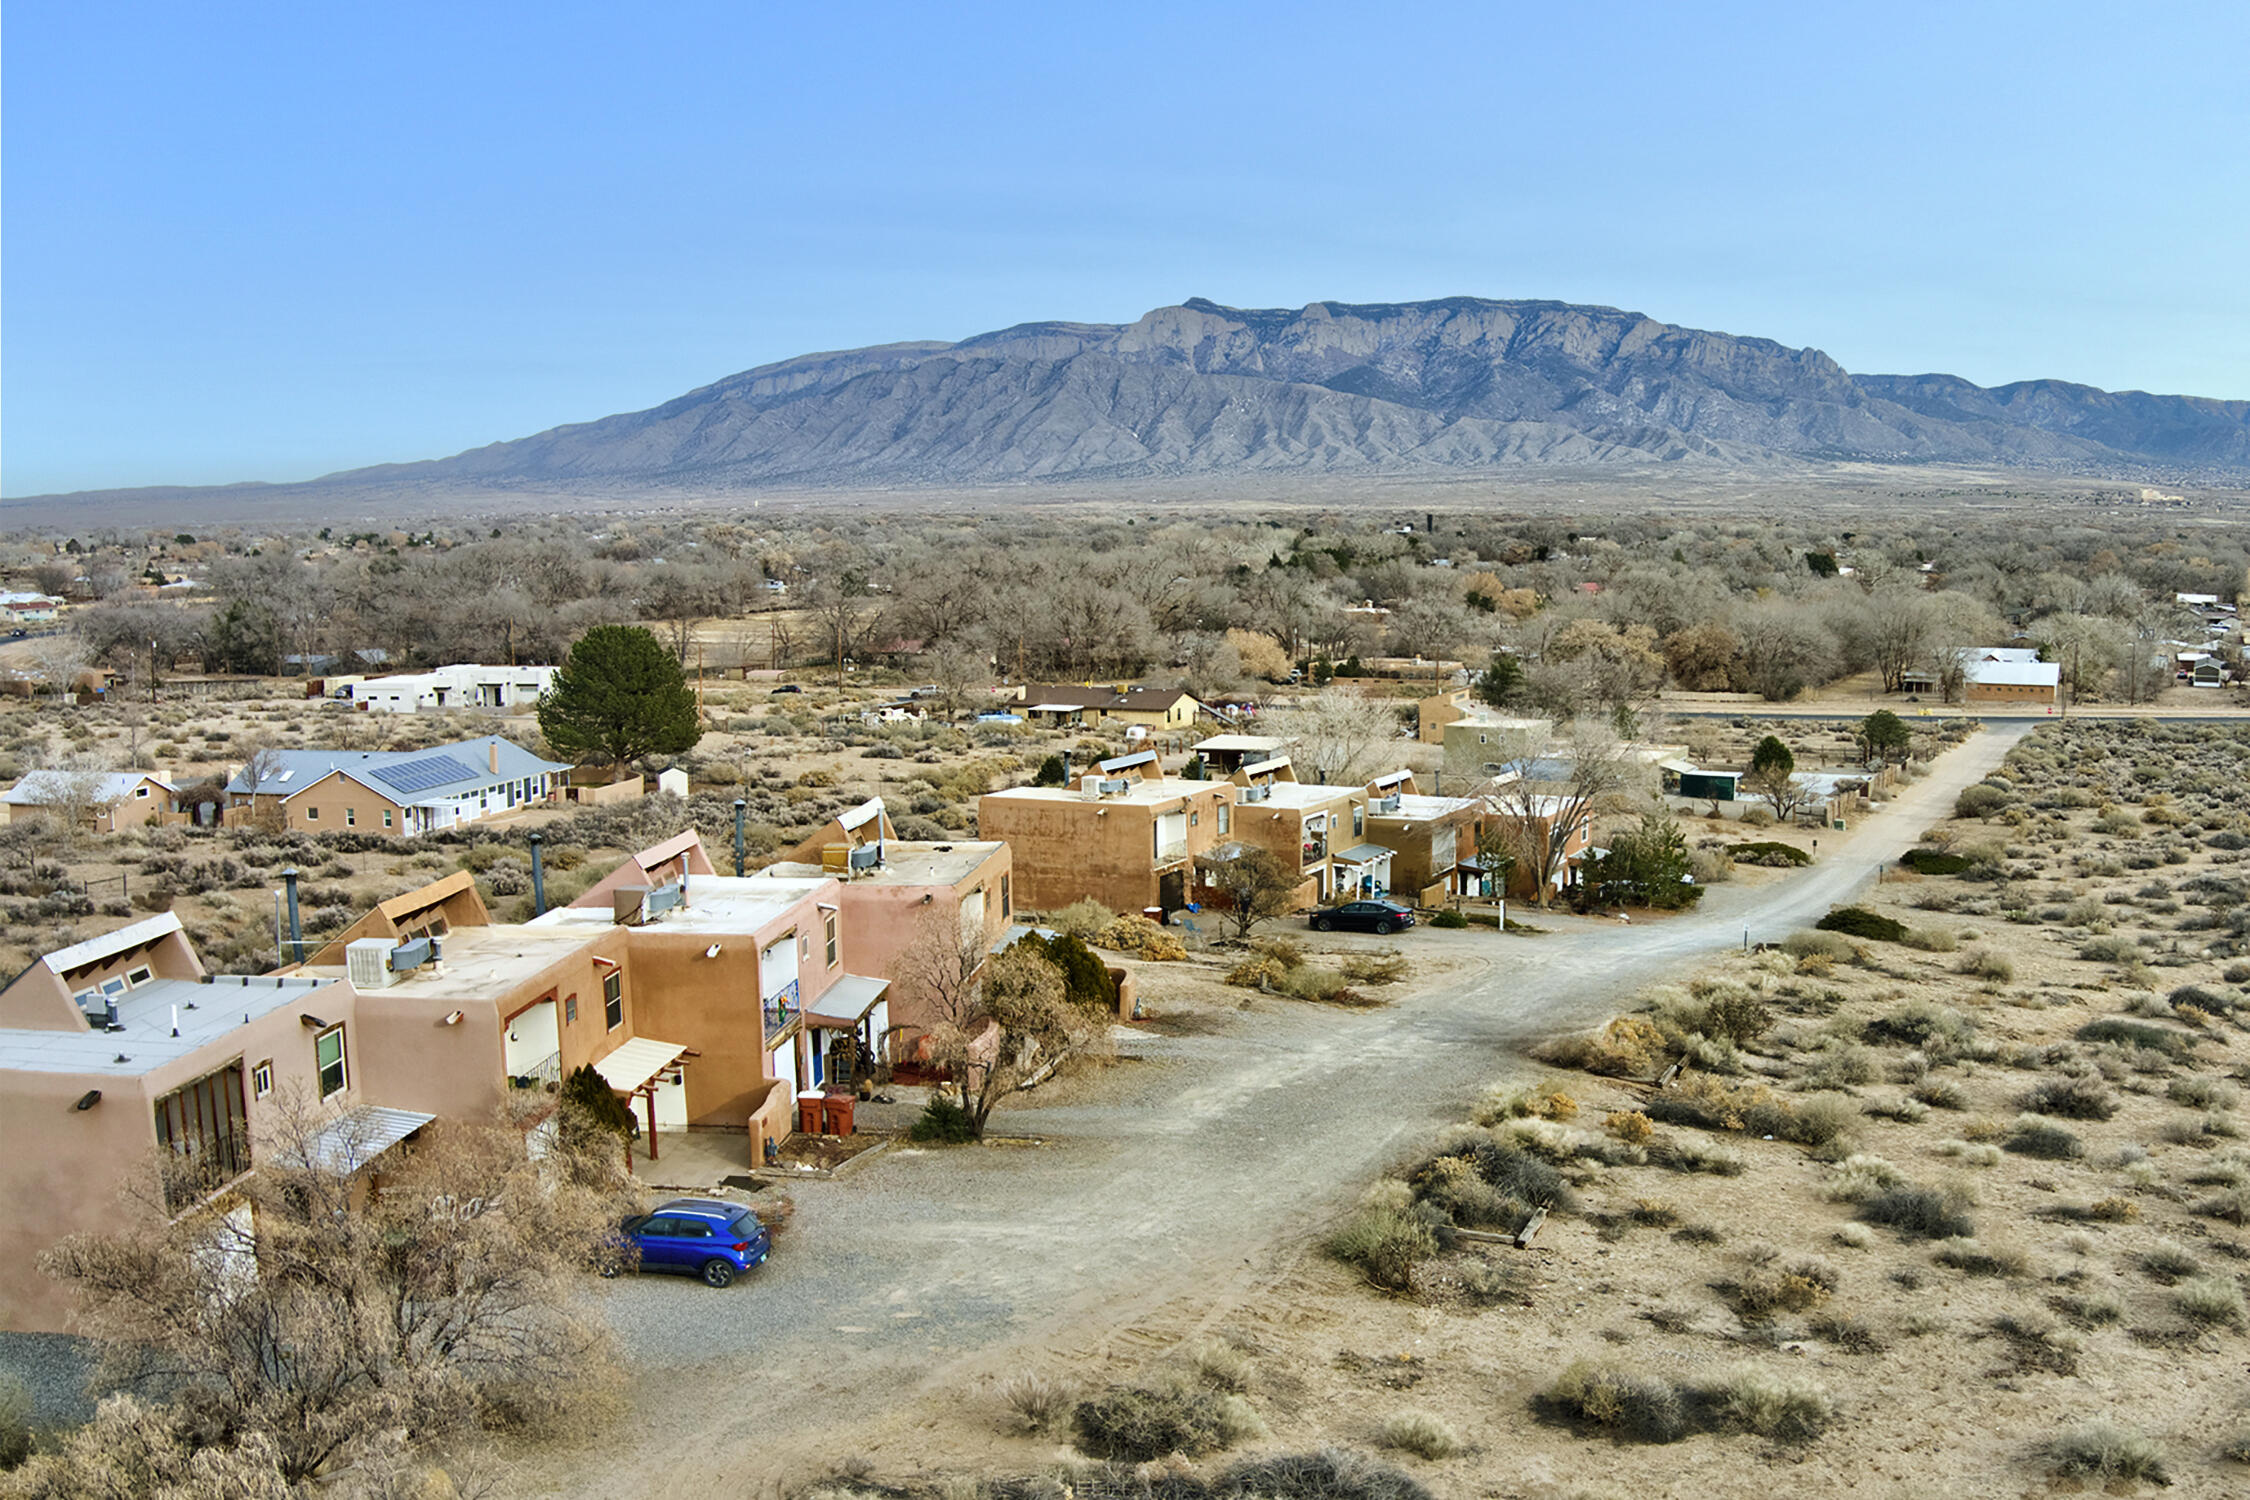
(1384, 917)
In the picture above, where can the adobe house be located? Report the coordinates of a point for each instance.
(119, 1046)
(1067, 703)
(1125, 835)
(679, 858)
(1319, 831)
(1509, 829)
(397, 792)
(1433, 840)
(898, 896)
(433, 910)
(1433, 713)
(109, 800)
(1224, 754)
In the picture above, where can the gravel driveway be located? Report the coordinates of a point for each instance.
(1204, 1152)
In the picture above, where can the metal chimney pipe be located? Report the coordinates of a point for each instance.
(296, 926)
(740, 806)
(538, 876)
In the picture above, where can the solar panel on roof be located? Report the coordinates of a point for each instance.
(420, 775)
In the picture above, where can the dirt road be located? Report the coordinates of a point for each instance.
(1176, 1199)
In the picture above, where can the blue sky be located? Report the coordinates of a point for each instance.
(269, 242)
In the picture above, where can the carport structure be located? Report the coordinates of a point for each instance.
(856, 1017)
(641, 1066)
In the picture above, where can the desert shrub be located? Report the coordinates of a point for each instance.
(1222, 1367)
(1832, 946)
(1630, 1126)
(1624, 1405)
(15, 1422)
(1386, 967)
(1420, 1433)
(2094, 1310)
(1921, 1023)
(2208, 1300)
(2203, 1093)
(1383, 1243)
(1980, 801)
(1940, 1093)
(2069, 1099)
(2169, 1261)
(1763, 1291)
(1983, 963)
(1137, 935)
(1843, 1066)
(1859, 922)
(1036, 1402)
(1921, 1212)
(1786, 1408)
(1081, 919)
(1860, 1177)
(1933, 862)
(1329, 1474)
(1312, 982)
(1139, 1423)
(1976, 1259)
(1930, 939)
(1256, 973)
(1628, 1046)
(2044, 1139)
(1734, 1012)
(2106, 1451)
(2231, 1204)
(1449, 919)
(2137, 1034)
(1772, 854)
(2109, 948)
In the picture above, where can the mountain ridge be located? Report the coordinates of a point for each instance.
(1452, 385)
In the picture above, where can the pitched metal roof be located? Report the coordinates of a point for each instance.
(355, 1138)
(44, 788)
(405, 776)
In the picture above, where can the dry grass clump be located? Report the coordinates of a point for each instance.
(1798, 1286)
(1036, 1402)
(1384, 1242)
(1421, 1433)
(1976, 1258)
(1859, 1177)
(1639, 1408)
(2106, 1451)
(2210, 1300)
(1786, 1408)
(1222, 1367)
(1542, 1102)
(1138, 1423)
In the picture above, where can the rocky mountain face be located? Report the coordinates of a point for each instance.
(1336, 388)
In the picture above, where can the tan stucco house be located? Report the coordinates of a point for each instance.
(396, 792)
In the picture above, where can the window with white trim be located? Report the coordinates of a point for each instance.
(261, 1079)
(328, 1057)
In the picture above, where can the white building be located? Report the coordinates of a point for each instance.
(464, 686)
(28, 609)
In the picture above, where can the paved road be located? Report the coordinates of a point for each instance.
(921, 1268)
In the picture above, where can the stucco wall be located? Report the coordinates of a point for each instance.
(882, 922)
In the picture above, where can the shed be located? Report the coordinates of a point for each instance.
(1694, 781)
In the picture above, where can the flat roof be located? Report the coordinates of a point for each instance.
(903, 864)
(480, 961)
(1243, 742)
(1417, 805)
(1139, 793)
(209, 1010)
(716, 904)
(1304, 794)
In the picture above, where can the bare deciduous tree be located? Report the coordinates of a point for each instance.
(1546, 786)
(1006, 1028)
(302, 1312)
(1339, 737)
(1256, 884)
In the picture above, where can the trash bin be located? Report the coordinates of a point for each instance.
(809, 1120)
(836, 1114)
(1154, 914)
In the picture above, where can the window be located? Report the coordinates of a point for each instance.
(386, 817)
(1226, 818)
(141, 975)
(829, 921)
(1359, 820)
(570, 1008)
(261, 1079)
(1194, 818)
(312, 814)
(328, 1056)
(613, 998)
(1006, 909)
(141, 791)
(351, 817)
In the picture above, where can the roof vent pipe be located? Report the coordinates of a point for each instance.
(296, 927)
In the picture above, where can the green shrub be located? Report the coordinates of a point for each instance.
(1081, 919)
(1859, 922)
(2104, 1450)
(1140, 1423)
(1983, 963)
(1771, 853)
(943, 1122)
(1933, 862)
(1449, 919)
(1330, 1474)
(2137, 1034)
(1829, 945)
(15, 1422)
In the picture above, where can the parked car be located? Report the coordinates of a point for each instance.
(1384, 917)
(787, 687)
(699, 1236)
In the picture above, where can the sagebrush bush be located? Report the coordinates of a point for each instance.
(1984, 963)
(2104, 1450)
(1384, 1243)
(2209, 1299)
(1979, 1259)
(2069, 1099)
(1786, 1408)
(1420, 1433)
(2044, 1139)
(1919, 1211)
(1625, 1405)
(1860, 1177)
(1139, 1423)
(1036, 1402)
(1083, 920)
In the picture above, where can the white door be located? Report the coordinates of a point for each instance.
(782, 1064)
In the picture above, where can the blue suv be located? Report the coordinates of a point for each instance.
(701, 1236)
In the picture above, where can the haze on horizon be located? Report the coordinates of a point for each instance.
(272, 243)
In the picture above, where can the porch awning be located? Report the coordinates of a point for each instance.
(355, 1138)
(1364, 854)
(1479, 866)
(846, 1002)
(629, 1069)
